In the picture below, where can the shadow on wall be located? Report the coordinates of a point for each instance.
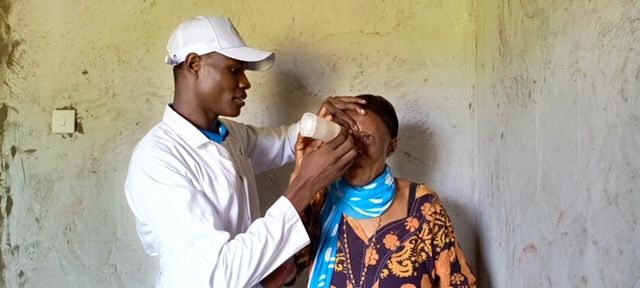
(470, 239)
(482, 271)
(416, 160)
(416, 154)
(290, 96)
(290, 91)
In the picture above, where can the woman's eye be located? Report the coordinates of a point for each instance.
(367, 137)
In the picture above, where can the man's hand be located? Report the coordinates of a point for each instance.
(282, 275)
(321, 165)
(334, 109)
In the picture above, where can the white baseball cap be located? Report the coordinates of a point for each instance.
(206, 34)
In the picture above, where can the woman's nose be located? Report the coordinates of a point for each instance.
(359, 144)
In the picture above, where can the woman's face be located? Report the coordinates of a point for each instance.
(374, 145)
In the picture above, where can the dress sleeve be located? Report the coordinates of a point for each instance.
(450, 266)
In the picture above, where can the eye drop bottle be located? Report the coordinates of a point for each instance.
(314, 126)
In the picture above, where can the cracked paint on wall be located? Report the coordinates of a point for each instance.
(4, 187)
(557, 143)
(8, 45)
(9, 63)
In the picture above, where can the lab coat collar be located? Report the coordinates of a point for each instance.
(184, 128)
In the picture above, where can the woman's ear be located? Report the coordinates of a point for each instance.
(393, 145)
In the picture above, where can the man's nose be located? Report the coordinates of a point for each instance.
(244, 82)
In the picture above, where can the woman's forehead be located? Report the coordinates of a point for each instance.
(370, 120)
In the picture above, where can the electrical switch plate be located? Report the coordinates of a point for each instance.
(63, 121)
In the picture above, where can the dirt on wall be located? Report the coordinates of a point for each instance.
(8, 45)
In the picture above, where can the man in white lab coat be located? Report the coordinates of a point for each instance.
(191, 183)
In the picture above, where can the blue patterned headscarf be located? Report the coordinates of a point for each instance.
(364, 202)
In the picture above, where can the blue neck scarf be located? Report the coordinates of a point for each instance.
(216, 137)
(365, 202)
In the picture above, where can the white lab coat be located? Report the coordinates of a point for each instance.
(196, 204)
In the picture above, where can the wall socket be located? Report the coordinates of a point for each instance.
(63, 121)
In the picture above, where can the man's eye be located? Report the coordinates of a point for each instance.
(238, 69)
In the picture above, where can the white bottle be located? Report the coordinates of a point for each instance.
(314, 126)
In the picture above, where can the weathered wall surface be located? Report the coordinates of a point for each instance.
(523, 114)
(558, 128)
(67, 223)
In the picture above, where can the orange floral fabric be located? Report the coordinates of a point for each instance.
(418, 251)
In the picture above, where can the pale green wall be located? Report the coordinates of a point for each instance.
(558, 101)
(494, 114)
(70, 224)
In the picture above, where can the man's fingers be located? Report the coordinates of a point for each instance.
(343, 152)
(345, 120)
(338, 140)
(291, 266)
(342, 103)
(323, 111)
(334, 108)
(340, 117)
(347, 103)
(312, 146)
(347, 99)
(345, 146)
(345, 161)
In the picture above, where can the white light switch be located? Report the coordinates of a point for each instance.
(63, 121)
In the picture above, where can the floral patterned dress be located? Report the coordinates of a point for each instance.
(418, 251)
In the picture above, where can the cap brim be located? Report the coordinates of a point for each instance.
(257, 60)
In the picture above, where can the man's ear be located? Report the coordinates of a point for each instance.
(193, 63)
(393, 145)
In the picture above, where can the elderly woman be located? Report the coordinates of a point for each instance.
(377, 230)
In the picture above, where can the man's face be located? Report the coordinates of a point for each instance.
(374, 145)
(221, 85)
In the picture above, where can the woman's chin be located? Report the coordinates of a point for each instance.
(356, 179)
(351, 174)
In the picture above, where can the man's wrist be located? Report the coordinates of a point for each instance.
(296, 195)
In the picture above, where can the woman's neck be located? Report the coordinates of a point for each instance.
(398, 210)
(362, 178)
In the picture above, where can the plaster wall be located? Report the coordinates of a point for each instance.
(522, 114)
(67, 223)
(558, 137)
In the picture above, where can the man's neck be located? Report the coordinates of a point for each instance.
(195, 115)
